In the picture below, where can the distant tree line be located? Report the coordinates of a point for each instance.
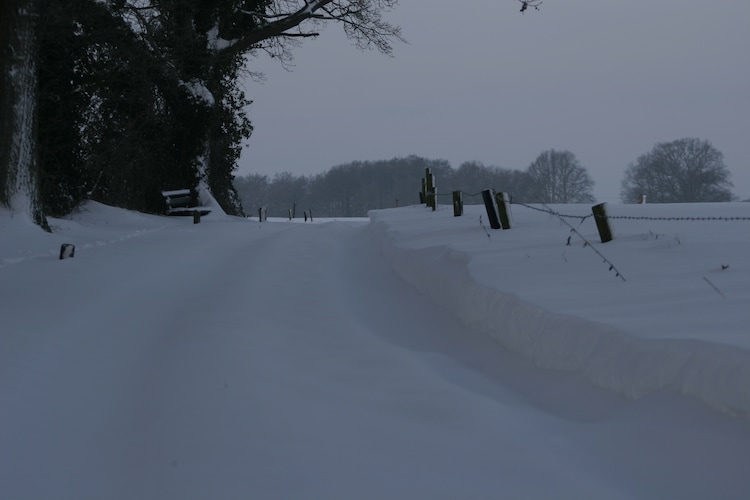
(682, 171)
(350, 190)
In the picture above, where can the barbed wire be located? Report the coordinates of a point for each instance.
(582, 218)
(552, 212)
(586, 243)
(629, 217)
(462, 192)
(632, 217)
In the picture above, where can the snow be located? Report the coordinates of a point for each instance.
(199, 90)
(562, 307)
(404, 356)
(216, 43)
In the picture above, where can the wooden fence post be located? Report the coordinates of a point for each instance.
(196, 217)
(427, 181)
(602, 223)
(489, 204)
(430, 191)
(433, 193)
(458, 203)
(503, 207)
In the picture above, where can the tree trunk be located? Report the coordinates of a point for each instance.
(19, 175)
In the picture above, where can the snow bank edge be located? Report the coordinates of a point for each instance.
(716, 374)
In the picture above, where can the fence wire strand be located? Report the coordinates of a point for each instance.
(582, 218)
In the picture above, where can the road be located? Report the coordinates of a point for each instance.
(238, 360)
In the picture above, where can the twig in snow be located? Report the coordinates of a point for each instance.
(714, 287)
(485, 229)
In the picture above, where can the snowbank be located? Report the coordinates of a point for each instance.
(678, 321)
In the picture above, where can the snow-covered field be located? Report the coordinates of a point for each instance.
(415, 355)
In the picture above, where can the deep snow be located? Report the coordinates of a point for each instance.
(409, 357)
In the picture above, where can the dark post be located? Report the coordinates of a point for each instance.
(503, 207)
(458, 203)
(260, 214)
(430, 195)
(196, 217)
(489, 204)
(67, 251)
(602, 223)
(433, 194)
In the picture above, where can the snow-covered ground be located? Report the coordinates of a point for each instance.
(417, 355)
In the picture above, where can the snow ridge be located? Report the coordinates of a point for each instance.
(608, 357)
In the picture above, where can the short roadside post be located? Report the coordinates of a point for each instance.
(67, 251)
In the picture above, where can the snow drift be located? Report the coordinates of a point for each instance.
(559, 306)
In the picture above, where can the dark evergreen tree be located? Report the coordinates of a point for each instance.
(141, 96)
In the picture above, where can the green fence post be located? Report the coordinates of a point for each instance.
(503, 208)
(489, 204)
(458, 203)
(602, 223)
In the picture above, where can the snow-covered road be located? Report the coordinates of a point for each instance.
(232, 359)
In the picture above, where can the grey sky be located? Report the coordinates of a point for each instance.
(604, 79)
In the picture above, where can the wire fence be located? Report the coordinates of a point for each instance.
(598, 213)
(615, 217)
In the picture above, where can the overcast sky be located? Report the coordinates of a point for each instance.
(604, 79)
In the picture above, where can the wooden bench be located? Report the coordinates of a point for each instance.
(183, 202)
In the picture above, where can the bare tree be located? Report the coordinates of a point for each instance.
(682, 171)
(282, 21)
(558, 177)
(277, 26)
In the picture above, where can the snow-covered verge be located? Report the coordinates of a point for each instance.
(93, 226)
(679, 320)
